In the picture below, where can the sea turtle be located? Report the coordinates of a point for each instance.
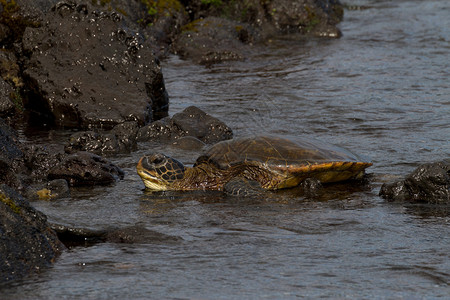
(273, 162)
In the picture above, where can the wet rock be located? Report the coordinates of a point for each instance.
(428, 183)
(86, 71)
(15, 16)
(36, 6)
(11, 156)
(28, 244)
(7, 108)
(309, 17)
(75, 236)
(194, 122)
(222, 30)
(163, 27)
(10, 70)
(122, 138)
(126, 135)
(213, 40)
(23, 164)
(84, 168)
(9, 144)
(161, 129)
(55, 189)
(4, 33)
(190, 122)
(91, 141)
(188, 143)
(39, 160)
(136, 234)
(159, 21)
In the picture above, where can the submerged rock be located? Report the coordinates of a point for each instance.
(84, 168)
(28, 244)
(188, 143)
(191, 122)
(86, 71)
(428, 183)
(136, 234)
(194, 122)
(52, 190)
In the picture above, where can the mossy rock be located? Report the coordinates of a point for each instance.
(13, 206)
(28, 243)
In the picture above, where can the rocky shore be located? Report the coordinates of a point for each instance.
(93, 66)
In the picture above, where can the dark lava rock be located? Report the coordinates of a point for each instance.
(52, 190)
(84, 168)
(190, 122)
(55, 189)
(428, 183)
(72, 236)
(11, 156)
(122, 138)
(6, 106)
(86, 71)
(161, 129)
(39, 160)
(276, 16)
(163, 26)
(222, 30)
(91, 141)
(213, 40)
(314, 17)
(159, 21)
(9, 145)
(126, 135)
(28, 244)
(194, 122)
(12, 81)
(4, 33)
(22, 164)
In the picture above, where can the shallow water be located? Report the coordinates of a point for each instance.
(381, 90)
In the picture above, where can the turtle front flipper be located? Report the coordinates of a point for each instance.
(240, 186)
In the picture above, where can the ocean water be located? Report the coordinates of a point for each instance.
(382, 90)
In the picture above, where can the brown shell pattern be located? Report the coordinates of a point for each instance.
(279, 154)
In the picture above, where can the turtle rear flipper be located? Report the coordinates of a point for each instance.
(242, 187)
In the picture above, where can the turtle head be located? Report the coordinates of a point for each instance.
(159, 171)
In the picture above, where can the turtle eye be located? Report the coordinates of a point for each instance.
(158, 159)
